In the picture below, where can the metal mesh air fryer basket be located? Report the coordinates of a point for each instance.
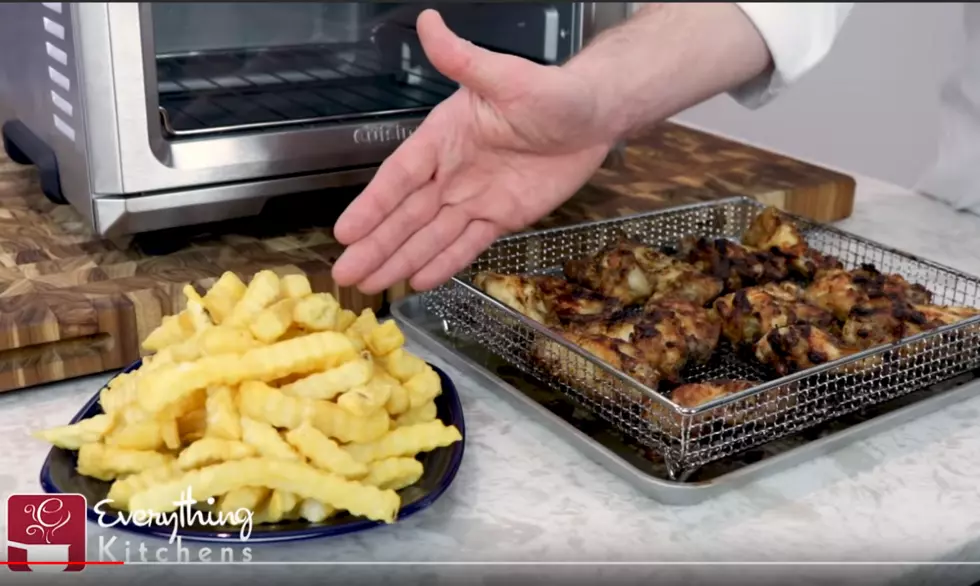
(688, 438)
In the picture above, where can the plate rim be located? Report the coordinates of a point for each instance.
(455, 416)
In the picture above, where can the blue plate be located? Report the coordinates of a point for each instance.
(58, 475)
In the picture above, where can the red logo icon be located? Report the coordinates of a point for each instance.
(46, 532)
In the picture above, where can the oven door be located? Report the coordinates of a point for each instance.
(218, 93)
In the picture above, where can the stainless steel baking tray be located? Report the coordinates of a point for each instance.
(689, 438)
(635, 463)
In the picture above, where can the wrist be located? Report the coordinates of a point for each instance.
(664, 59)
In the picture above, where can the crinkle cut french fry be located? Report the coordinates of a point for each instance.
(262, 291)
(324, 453)
(423, 414)
(333, 382)
(423, 387)
(107, 462)
(266, 440)
(278, 507)
(264, 403)
(298, 478)
(317, 312)
(120, 391)
(364, 400)
(124, 488)
(401, 364)
(72, 437)
(138, 435)
(170, 432)
(399, 401)
(362, 325)
(314, 511)
(321, 350)
(174, 382)
(345, 318)
(221, 298)
(225, 339)
(334, 422)
(385, 338)
(273, 321)
(170, 331)
(246, 498)
(406, 441)
(192, 296)
(211, 450)
(295, 286)
(197, 315)
(223, 419)
(394, 473)
(192, 426)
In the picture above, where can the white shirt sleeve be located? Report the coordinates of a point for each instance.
(799, 36)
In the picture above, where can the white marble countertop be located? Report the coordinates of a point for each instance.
(522, 495)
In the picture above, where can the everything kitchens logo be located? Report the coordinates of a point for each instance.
(48, 533)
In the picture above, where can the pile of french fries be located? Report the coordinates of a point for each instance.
(265, 397)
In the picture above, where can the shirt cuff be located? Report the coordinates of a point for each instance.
(798, 36)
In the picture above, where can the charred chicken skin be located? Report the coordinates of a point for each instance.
(736, 265)
(669, 336)
(617, 353)
(547, 300)
(634, 273)
(839, 291)
(886, 320)
(665, 337)
(697, 394)
(748, 314)
(772, 231)
(793, 348)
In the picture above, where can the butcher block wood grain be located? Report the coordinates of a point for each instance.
(73, 304)
(670, 165)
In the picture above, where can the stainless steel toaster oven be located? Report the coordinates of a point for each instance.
(145, 116)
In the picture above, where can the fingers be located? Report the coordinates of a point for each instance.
(477, 237)
(421, 248)
(410, 167)
(487, 73)
(368, 254)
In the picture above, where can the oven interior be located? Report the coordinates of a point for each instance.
(233, 67)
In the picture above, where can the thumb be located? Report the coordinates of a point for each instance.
(487, 73)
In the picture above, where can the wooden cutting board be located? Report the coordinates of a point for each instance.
(72, 303)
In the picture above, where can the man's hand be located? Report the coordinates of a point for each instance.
(511, 145)
(518, 139)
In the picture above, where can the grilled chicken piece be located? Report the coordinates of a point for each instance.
(633, 273)
(736, 265)
(798, 347)
(597, 384)
(547, 300)
(887, 320)
(670, 336)
(694, 395)
(947, 315)
(697, 394)
(618, 354)
(839, 291)
(772, 231)
(748, 314)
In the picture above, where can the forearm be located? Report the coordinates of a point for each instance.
(666, 58)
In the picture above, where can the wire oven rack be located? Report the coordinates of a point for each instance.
(226, 91)
(688, 438)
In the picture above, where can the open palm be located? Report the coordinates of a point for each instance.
(511, 145)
